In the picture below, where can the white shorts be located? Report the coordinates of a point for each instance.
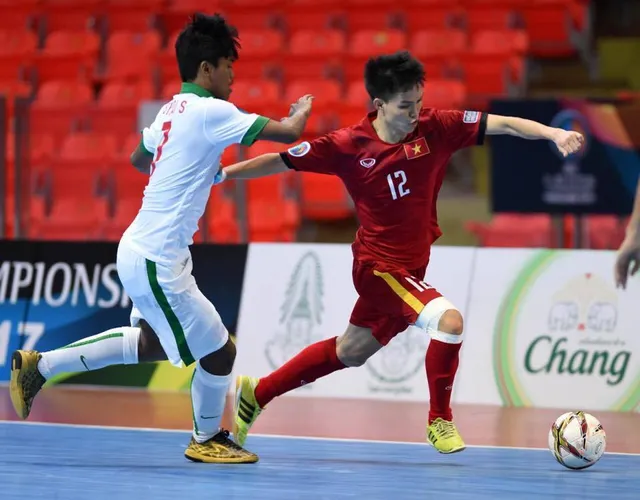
(167, 297)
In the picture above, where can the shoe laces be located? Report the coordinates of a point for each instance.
(445, 428)
(223, 438)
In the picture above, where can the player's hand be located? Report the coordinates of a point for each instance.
(302, 105)
(627, 259)
(568, 142)
(220, 176)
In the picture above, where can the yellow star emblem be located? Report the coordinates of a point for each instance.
(417, 149)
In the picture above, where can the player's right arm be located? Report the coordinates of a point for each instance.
(321, 156)
(225, 124)
(289, 129)
(628, 258)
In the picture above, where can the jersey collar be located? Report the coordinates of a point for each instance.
(192, 88)
(367, 125)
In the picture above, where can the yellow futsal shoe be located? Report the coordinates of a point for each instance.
(444, 437)
(26, 381)
(246, 409)
(219, 450)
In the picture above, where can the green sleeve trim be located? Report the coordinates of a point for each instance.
(143, 148)
(254, 130)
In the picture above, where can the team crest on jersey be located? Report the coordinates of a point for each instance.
(471, 117)
(416, 149)
(300, 149)
(368, 162)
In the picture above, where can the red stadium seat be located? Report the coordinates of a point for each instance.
(500, 42)
(125, 190)
(169, 89)
(257, 96)
(444, 94)
(74, 187)
(514, 230)
(71, 14)
(19, 15)
(116, 110)
(432, 14)
(176, 14)
(327, 93)
(324, 197)
(481, 15)
(15, 89)
(253, 14)
(60, 107)
(315, 15)
(273, 213)
(315, 53)
(260, 44)
(365, 44)
(125, 15)
(373, 14)
(17, 54)
(222, 221)
(68, 55)
(547, 23)
(437, 49)
(132, 56)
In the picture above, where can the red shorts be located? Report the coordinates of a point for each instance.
(390, 298)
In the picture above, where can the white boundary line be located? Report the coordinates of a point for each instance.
(278, 436)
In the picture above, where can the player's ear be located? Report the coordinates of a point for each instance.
(206, 68)
(377, 104)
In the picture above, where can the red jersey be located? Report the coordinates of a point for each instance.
(394, 186)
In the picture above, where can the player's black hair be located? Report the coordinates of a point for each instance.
(205, 38)
(388, 75)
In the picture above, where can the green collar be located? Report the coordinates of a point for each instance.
(192, 88)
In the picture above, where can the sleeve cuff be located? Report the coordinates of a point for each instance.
(482, 129)
(287, 161)
(143, 147)
(254, 130)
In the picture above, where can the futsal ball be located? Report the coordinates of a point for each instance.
(577, 440)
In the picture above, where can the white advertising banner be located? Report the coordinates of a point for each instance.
(297, 294)
(549, 329)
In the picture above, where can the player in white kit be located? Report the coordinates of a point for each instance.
(171, 318)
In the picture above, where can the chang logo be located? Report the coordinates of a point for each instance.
(567, 346)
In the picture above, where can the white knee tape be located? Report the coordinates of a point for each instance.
(429, 319)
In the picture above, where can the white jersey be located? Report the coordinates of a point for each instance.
(187, 139)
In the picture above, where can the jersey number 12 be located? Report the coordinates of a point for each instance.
(399, 178)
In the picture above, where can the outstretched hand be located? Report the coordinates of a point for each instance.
(627, 260)
(568, 141)
(302, 105)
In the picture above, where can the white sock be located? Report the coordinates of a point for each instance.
(114, 347)
(208, 394)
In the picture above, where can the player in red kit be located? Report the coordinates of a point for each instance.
(392, 163)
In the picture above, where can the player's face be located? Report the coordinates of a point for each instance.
(221, 78)
(402, 110)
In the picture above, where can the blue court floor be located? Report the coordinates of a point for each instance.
(71, 462)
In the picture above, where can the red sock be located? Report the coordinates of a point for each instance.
(313, 362)
(441, 363)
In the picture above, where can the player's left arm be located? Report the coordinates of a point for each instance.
(142, 156)
(567, 141)
(141, 159)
